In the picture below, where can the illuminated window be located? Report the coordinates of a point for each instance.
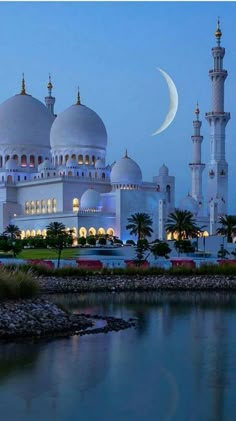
(27, 234)
(32, 207)
(54, 205)
(82, 232)
(101, 231)
(32, 233)
(23, 161)
(44, 233)
(27, 206)
(80, 159)
(86, 159)
(92, 231)
(32, 161)
(49, 206)
(75, 205)
(110, 232)
(22, 234)
(38, 232)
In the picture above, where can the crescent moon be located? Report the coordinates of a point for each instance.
(173, 105)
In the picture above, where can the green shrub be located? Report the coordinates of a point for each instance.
(15, 284)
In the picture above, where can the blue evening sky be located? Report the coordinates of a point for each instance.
(111, 50)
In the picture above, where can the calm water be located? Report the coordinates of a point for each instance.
(179, 364)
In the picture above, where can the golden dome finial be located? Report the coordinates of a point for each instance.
(218, 32)
(23, 91)
(78, 97)
(50, 85)
(126, 154)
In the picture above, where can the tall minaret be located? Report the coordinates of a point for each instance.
(50, 100)
(217, 182)
(196, 165)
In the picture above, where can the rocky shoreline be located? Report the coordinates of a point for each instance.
(40, 318)
(137, 283)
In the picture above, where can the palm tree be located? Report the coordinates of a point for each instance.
(58, 238)
(12, 231)
(228, 227)
(182, 223)
(140, 225)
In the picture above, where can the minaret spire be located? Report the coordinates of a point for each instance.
(217, 183)
(78, 97)
(50, 100)
(23, 91)
(196, 165)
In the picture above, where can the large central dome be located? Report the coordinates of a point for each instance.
(78, 127)
(24, 122)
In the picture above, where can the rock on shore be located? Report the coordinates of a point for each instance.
(37, 318)
(137, 283)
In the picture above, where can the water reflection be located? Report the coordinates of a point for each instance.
(179, 363)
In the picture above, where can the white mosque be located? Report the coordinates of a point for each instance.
(53, 168)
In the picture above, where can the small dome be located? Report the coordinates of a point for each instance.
(163, 170)
(24, 122)
(190, 204)
(11, 165)
(100, 163)
(126, 171)
(71, 163)
(45, 165)
(78, 126)
(90, 200)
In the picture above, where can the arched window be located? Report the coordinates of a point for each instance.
(60, 160)
(80, 159)
(38, 232)
(32, 161)
(9, 179)
(110, 232)
(103, 176)
(66, 157)
(54, 205)
(96, 174)
(69, 173)
(27, 207)
(101, 231)
(15, 157)
(22, 234)
(1, 161)
(40, 160)
(82, 232)
(90, 174)
(37, 206)
(43, 206)
(32, 233)
(73, 156)
(86, 159)
(158, 187)
(32, 207)
(44, 233)
(23, 161)
(75, 205)
(27, 234)
(93, 159)
(92, 231)
(49, 206)
(6, 158)
(168, 191)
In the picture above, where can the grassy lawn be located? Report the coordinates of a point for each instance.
(47, 253)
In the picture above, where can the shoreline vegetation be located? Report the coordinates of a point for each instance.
(25, 313)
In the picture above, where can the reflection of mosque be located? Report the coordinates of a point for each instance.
(54, 168)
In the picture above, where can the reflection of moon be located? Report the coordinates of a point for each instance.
(173, 103)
